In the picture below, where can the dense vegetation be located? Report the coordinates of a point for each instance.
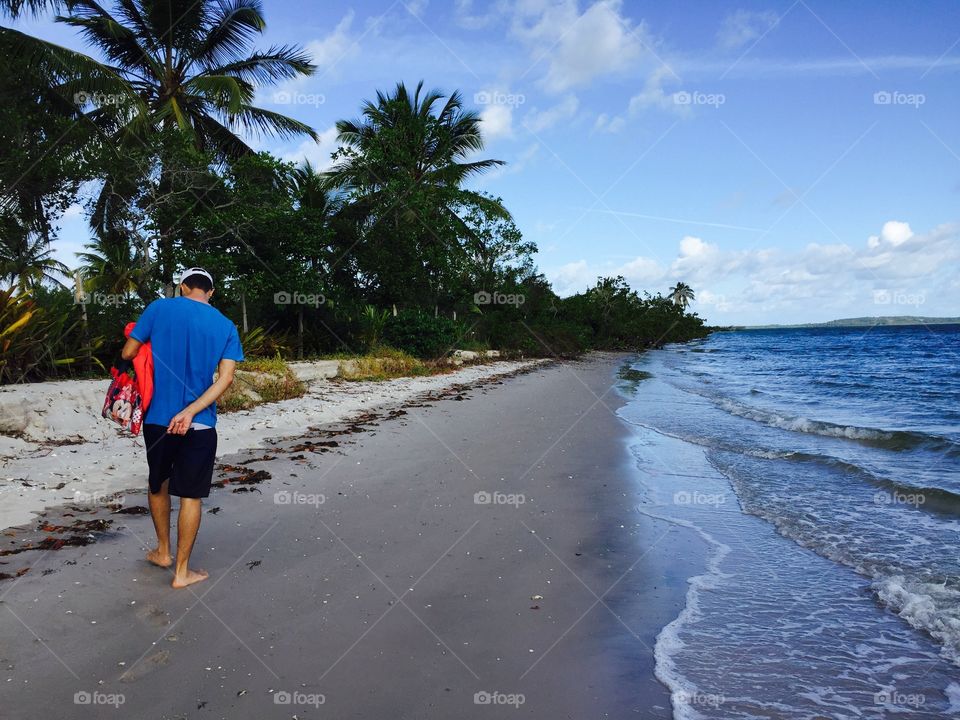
(389, 247)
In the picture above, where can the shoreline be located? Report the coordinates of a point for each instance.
(397, 594)
(765, 591)
(676, 558)
(76, 455)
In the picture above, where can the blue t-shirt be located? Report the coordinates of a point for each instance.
(189, 338)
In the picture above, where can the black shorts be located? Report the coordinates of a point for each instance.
(185, 460)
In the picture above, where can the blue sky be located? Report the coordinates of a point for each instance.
(791, 161)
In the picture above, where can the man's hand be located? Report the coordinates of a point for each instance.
(181, 422)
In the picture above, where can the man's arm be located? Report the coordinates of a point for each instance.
(130, 349)
(181, 421)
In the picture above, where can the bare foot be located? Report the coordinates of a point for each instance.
(160, 559)
(191, 577)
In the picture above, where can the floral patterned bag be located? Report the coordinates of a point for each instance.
(123, 403)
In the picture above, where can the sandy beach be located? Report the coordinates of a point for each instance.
(56, 447)
(473, 552)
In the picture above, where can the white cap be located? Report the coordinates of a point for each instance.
(196, 271)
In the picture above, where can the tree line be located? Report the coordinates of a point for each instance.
(388, 246)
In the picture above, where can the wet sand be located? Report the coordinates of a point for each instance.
(475, 553)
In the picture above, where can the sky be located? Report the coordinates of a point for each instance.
(790, 161)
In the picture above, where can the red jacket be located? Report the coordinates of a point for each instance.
(143, 369)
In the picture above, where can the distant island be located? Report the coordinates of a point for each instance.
(864, 322)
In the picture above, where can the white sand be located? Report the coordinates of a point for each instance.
(101, 460)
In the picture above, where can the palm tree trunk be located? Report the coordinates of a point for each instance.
(243, 305)
(80, 296)
(165, 244)
(300, 332)
(165, 241)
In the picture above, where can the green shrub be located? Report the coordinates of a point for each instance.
(372, 322)
(422, 335)
(269, 379)
(258, 343)
(42, 337)
(382, 363)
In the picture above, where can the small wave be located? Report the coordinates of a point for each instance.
(926, 606)
(927, 601)
(668, 641)
(895, 440)
(923, 497)
(920, 497)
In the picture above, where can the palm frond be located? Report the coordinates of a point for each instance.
(117, 42)
(233, 26)
(267, 122)
(19, 8)
(217, 138)
(264, 68)
(222, 91)
(60, 63)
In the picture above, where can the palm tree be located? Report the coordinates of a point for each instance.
(172, 66)
(682, 294)
(26, 260)
(112, 266)
(429, 147)
(192, 67)
(403, 164)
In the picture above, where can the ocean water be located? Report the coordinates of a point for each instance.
(821, 468)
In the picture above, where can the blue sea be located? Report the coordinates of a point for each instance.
(820, 468)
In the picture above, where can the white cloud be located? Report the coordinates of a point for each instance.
(417, 6)
(466, 18)
(540, 120)
(893, 232)
(578, 48)
(712, 300)
(572, 278)
(543, 228)
(512, 167)
(605, 123)
(763, 285)
(327, 52)
(496, 122)
(743, 26)
(318, 153)
(641, 271)
(691, 246)
(654, 96)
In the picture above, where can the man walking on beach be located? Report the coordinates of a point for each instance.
(191, 340)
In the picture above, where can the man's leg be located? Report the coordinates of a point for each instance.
(160, 449)
(188, 523)
(160, 512)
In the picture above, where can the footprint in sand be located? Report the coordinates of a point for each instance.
(154, 615)
(146, 666)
